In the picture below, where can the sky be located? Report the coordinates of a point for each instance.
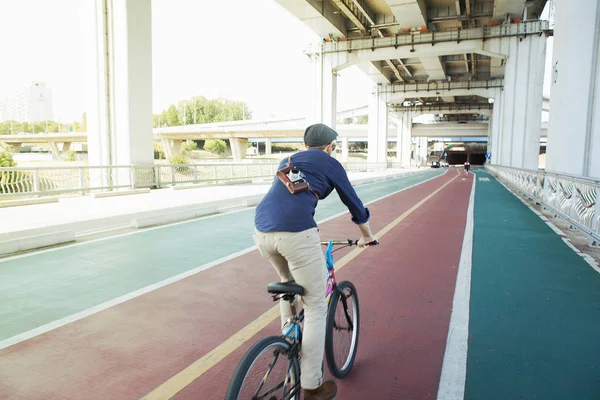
(200, 48)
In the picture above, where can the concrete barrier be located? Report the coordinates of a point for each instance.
(26, 202)
(119, 193)
(252, 201)
(208, 185)
(36, 242)
(363, 181)
(160, 216)
(172, 217)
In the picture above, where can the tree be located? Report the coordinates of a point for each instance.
(159, 153)
(199, 110)
(52, 127)
(40, 127)
(10, 127)
(362, 119)
(216, 146)
(6, 157)
(172, 117)
(187, 146)
(70, 155)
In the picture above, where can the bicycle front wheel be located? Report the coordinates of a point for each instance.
(267, 371)
(343, 325)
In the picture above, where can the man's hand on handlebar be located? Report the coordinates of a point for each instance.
(367, 238)
(367, 241)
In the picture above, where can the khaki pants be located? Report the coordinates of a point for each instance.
(298, 256)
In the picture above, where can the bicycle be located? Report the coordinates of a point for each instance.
(288, 345)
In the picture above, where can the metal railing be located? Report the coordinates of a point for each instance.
(43, 181)
(573, 198)
(438, 86)
(431, 37)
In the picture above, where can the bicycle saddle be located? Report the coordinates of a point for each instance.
(285, 287)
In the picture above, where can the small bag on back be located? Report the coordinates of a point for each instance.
(293, 179)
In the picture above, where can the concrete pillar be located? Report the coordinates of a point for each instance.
(238, 148)
(496, 130)
(268, 146)
(574, 122)
(521, 102)
(16, 147)
(66, 147)
(490, 137)
(171, 147)
(421, 153)
(377, 130)
(404, 133)
(323, 108)
(55, 152)
(345, 148)
(119, 85)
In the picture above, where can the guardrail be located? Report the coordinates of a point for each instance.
(43, 181)
(573, 198)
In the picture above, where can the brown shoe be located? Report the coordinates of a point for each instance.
(326, 391)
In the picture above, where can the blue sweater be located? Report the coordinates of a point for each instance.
(281, 211)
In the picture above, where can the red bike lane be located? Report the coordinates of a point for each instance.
(126, 351)
(405, 288)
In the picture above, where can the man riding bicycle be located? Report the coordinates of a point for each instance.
(287, 235)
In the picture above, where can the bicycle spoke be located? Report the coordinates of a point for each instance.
(271, 365)
(273, 390)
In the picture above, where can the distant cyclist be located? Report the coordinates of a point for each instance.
(467, 166)
(287, 235)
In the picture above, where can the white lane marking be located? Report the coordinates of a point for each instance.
(454, 366)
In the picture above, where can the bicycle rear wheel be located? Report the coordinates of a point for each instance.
(343, 325)
(268, 371)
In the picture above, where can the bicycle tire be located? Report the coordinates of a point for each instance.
(259, 348)
(340, 371)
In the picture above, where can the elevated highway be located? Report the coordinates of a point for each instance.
(237, 131)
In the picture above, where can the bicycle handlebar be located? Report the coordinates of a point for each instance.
(349, 242)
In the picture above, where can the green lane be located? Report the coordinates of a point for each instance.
(43, 287)
(534, 310)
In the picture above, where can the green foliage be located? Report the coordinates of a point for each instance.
(39, 127)
(14, 127)
(172, 116)
(362, 119)
(216, 146)
(200, 110)
(159, 153)
(70, 155)
(187, 146)
(178, 159)
(5, 128)
(6, 157)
